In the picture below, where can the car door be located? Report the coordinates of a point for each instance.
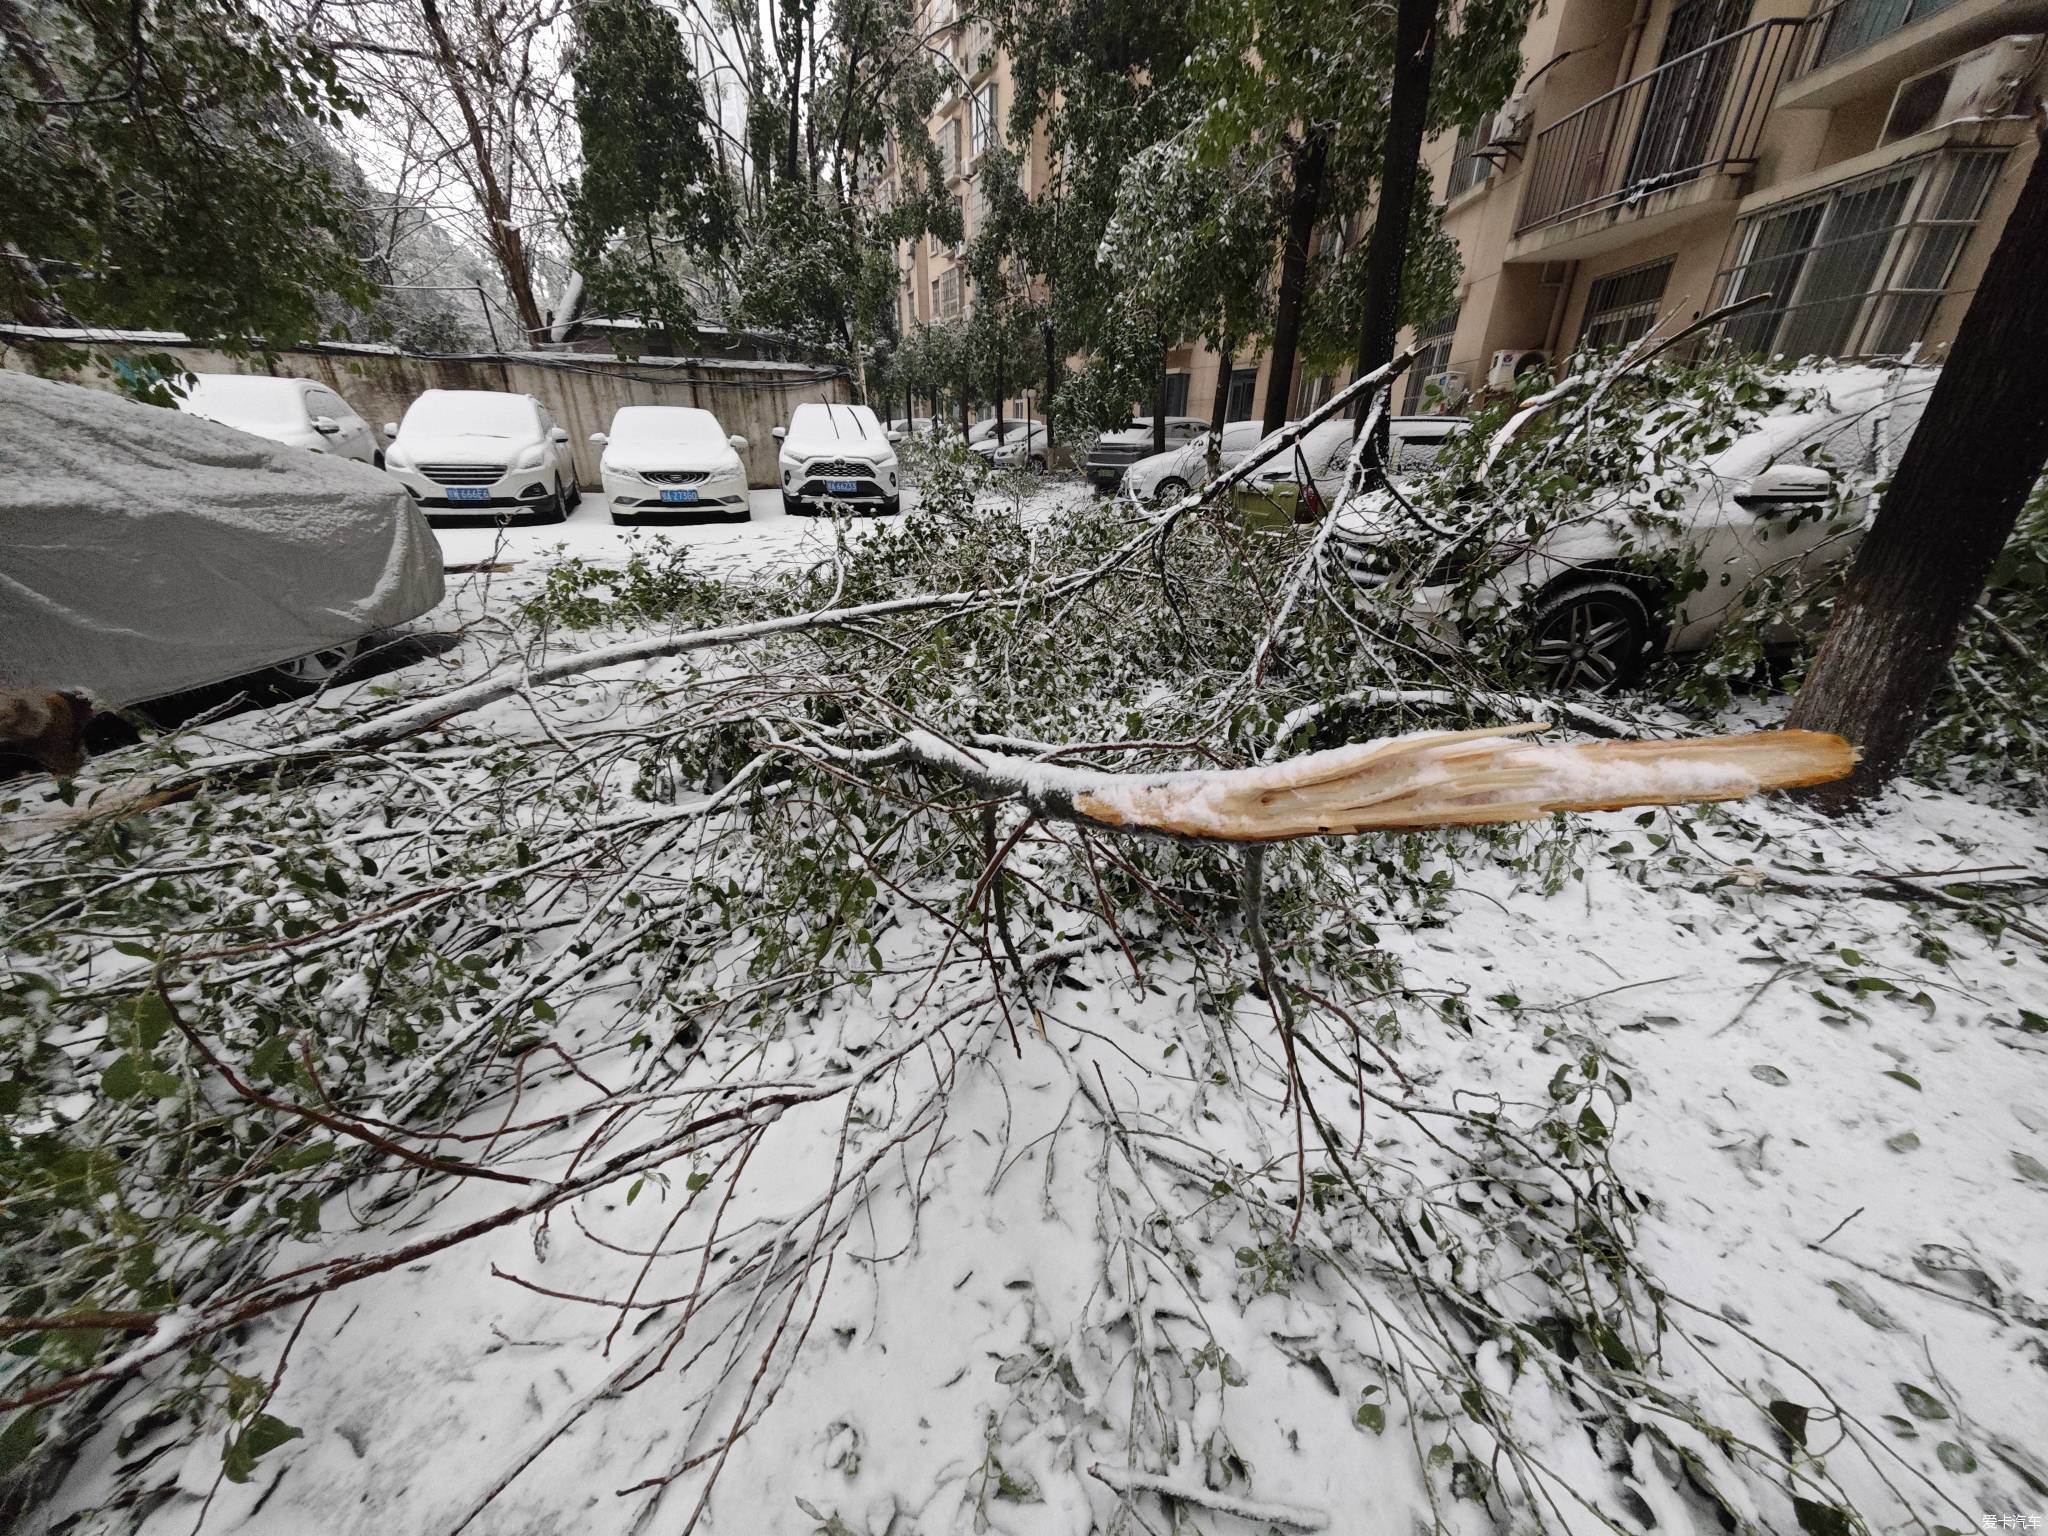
(354, 440)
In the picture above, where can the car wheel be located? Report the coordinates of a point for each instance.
(318, 669)
(1038, 463)
(1590, 637)
(893, 505)
(575, 493)
(377, 458)
(558, 509)
(791, 507)
(1169, 490)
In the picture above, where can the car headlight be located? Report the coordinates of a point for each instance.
(395, 458)
(533, 458)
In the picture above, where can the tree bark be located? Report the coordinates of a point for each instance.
(1219, 405)
(1159, 400)
(503, 234)
(1052, 380)
(1304, 202)
(1951, 507)
(1386, 251)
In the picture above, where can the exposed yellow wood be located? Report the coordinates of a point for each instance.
(1460, 778)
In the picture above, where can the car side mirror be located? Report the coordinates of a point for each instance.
(559, 435)
(391, 429)
(738, 443)
(326, 426)
(599, 438)
(895, 437)
(779, 433)
(1787, 485)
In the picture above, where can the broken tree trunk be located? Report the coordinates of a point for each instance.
(1401, 784)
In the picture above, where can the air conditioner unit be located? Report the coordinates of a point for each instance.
(1982, 84)
(1445, 389)
(1510, 366)
(1510, 125)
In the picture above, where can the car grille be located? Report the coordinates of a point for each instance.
(839, 469)
(463, 474)
(676, 476)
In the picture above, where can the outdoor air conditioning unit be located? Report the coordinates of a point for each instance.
(1982, 84)
(1510, 125)
(1510, 366)
(1445, 389)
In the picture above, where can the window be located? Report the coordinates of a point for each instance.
(949, 148)
(1622, 306)
(1856, 269)
(981, 113)
(1468, 168)
(946, 294)
(1313, 392)
(1244, 383)
(1176, 395)
(1432, 356)
(1856, 24)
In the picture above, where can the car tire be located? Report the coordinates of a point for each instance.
(575, 493)
(305, 674)
(1171, 489)
(893, 506)
(1037, 463)
(558, 508)
(377, 458)
(791, 507)
(1590, 636)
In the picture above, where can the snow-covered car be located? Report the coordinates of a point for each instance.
(144, 552)
(1117, 450)
(1019, 445)
(1171, 475)
(912, 426)
(302, 413)
(840, 454)
(1413, 443)
(469, 452)
(671, 459)
(1790, 496)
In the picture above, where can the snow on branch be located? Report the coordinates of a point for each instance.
(1403, 783)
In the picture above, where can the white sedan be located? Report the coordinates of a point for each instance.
(1019, 446)
(464, 452)
(1593, 596)
(1171, 475)
(301, 413)
(671, 459)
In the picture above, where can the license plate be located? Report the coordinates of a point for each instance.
(678, 496)
(469, 493)
(842, 487)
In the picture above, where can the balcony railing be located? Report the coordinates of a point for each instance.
(1691, 117)
(1843, 28)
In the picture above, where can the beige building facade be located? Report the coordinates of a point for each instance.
(1854, 160)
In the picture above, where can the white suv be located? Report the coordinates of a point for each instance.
(839, 454)
(301, 413)
(480, 451)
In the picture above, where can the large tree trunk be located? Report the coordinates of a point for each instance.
(1386, 251)
(1159, 400)
(1950, 509)
(1304, 203)
(1052, 381)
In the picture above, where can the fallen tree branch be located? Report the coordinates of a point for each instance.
(1129, 1480)
(1402, 784)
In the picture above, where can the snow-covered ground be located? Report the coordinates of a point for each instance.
(1060, 1273)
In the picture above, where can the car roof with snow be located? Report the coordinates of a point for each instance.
(481, 412)
(235, 398)
(854, 425)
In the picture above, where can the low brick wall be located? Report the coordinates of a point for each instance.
(581, 391)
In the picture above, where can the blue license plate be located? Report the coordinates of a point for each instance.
(469, 493)
(842, 487)
(678, 496)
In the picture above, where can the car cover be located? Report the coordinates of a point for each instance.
(144, 551)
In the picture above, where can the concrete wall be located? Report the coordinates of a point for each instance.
(580, 391)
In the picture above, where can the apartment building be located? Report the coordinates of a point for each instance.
(1856, 161)
(1853, 159)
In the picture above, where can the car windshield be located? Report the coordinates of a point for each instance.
(478, 412)
(842, 421)
(666, 426)
(236, 400)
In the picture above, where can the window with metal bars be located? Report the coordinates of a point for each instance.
(1176, 394)
(1244, 383)
(1432, 356)
(1856, 24)
(946, 294)
(1468, 168)
(1622, 306)
(1856, 269)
